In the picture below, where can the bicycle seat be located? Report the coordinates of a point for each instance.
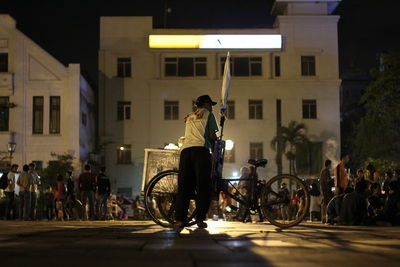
(258, 163)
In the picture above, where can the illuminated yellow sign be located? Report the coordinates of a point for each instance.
(217, 41)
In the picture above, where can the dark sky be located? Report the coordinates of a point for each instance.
(69, 30)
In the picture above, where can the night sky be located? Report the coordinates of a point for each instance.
(69, 30)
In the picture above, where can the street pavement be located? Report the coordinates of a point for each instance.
(142, 243)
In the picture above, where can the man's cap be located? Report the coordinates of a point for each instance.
(204, 99)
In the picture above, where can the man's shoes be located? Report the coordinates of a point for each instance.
(202, 225)
(178, 226)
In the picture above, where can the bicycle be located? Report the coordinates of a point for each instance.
(270, 200)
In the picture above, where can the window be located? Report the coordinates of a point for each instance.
(309, 158)
(171, 110)
(309, 109)
(55, 114)
(84, 118)
(123, 110)
(308, 65)
(229, 156)
(185, 66)
(37, 123)
(3, 62)
(277, 66)
(124, 67)
(124, 154)
(244, 66)
(4, 113)
(230, 110)
(255, 110)
(256, 151)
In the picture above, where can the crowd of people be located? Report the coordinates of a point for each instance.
(88, 197)
(365, 199)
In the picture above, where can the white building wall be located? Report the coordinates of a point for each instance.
(148, 88)
(34, 72)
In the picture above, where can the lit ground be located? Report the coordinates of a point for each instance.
(142, 243)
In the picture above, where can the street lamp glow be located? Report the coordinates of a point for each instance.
(121, 148)
(229, 144)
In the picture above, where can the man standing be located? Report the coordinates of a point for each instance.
(87, 185)
(103, 189)
(326, 188)
(10, 192)
(34, 188)
(341, 180)
(25, 183)
(195, 162)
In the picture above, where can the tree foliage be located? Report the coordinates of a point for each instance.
(378, 132)
(60, 165)
(285, 143)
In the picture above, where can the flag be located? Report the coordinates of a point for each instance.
(226, 82)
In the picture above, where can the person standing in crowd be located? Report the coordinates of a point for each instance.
(34, 189)
(359, 175)
(103, 190)
(10, 192)
(195, 163)
(341, 180)
(87, 185)
(354, 209)
(49, 201)
(326, 188)
(315, 202)
(25, 184)
(60, 197)
(284, 196)
(391, 210)
(70, 185)
(376, 200)
(388, 179)
(334, 207)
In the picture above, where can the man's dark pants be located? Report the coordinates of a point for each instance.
(194, 176)
(10, 204)
(87, 195)
(33, 205)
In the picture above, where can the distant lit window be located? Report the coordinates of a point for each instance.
(229, 156)
(255, 109)
(3, 62)
(55, 115)
(256, 151)
(124, 67)
(309, 109)
(244, 66)
(277, 66)
(124, 154)
(4, 113)
(123, 110)
(37, 114)
(171, 110)
(230, 110)
(308, 65)
(185, 66)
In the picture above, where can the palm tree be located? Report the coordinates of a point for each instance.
(290, 137)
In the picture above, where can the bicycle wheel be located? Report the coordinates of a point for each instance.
(277, 202)
(160, 199)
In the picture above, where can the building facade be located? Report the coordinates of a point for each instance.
(144, 93)
(46, 107)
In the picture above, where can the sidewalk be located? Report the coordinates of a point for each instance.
(142, 243)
